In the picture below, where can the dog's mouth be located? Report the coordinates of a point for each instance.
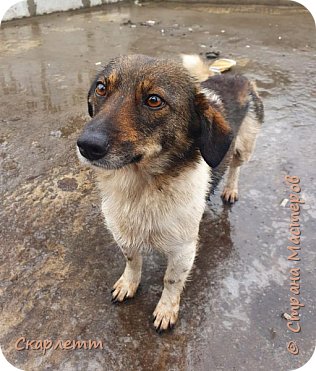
(110, 164)
(116, 165)
(136, 159)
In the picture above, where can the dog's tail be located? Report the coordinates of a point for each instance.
(196, 67)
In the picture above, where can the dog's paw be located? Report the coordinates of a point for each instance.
(123, 289)
(165, 315)
(229, 195)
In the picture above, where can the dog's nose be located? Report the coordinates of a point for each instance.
(93, 147)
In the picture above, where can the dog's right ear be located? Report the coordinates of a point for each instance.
(90, 109)
(90, 103)
(215, 135)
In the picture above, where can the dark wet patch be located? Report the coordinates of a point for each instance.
(10, 165)
(67, 184)
(3, 139)
(73, 126)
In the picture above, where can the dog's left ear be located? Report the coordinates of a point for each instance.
(215, 135)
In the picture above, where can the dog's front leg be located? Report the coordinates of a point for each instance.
(180, 261)
(127, 285)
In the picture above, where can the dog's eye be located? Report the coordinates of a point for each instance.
(154, 101)
(100, 89)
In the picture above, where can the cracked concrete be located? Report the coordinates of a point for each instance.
(58, 263)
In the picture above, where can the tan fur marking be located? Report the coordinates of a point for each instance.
(126, 126)
(112, 80)
(246, 137)
(242, 151)
(145, 84)
(243, 94)
(218, 120)
(253, 86)
(102, 79)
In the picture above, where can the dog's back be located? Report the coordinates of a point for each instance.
(236, 98)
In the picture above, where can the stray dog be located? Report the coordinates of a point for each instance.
(156, 131)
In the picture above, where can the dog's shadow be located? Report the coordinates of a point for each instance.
(214, 254)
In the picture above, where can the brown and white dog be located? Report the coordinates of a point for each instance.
(156, 131)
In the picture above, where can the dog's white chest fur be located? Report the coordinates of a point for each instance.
(142, 212)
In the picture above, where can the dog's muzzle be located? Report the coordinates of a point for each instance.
(93, 146)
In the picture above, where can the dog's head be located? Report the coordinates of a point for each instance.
(146, 109)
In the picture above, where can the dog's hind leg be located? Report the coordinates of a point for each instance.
(127, 284)
(242, 149)
(180, 262)
(230, 191)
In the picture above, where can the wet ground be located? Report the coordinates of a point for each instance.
(59, 262)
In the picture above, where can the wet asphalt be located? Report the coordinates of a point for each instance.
(58, 262)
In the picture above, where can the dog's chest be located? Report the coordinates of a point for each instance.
(145, 213)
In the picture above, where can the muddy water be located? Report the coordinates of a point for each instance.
(59, 262)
